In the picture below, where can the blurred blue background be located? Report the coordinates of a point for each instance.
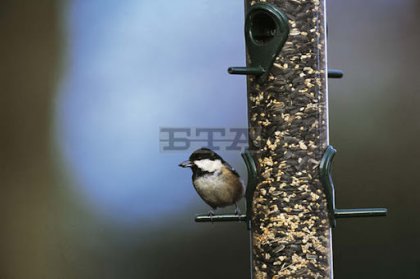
(136, 67)
(87, 190)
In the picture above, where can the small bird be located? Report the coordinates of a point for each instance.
(215, 181)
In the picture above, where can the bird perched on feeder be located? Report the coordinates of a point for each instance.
(215, 181)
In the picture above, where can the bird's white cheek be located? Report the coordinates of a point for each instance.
(209, 165)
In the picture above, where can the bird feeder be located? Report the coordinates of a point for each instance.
(290, 196)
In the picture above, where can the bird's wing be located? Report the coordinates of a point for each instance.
(232, 169)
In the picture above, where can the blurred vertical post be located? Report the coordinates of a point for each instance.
(288, 122)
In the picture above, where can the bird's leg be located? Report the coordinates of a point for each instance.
(237, 211)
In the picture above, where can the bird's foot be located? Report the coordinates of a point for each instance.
(211, 214)
(237, 212)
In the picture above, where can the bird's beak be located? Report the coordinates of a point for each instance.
(186, 164)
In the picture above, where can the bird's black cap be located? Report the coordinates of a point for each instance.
(204, 153)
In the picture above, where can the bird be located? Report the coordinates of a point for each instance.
(216, 182)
